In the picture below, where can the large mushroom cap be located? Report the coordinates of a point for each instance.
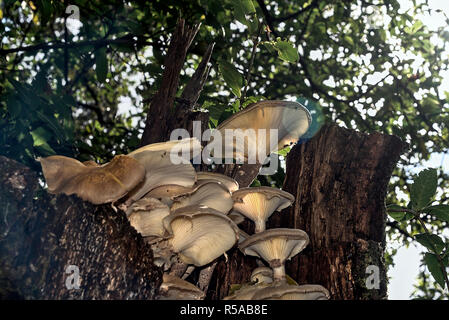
(200, 234)
(259, 203)
(291, 119)
(146, 217)
(228, 182)
(276, 246)
(211, 194)
(174, 288)
(96, 184)
(166, 163)
(289, 292)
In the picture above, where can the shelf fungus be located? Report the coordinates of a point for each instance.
(200, 234)
(210, 194)
(174, 288)
(166, 163)
(259, 203)
(229, 183)
(265, 127)
(289, 292)
(275, 246)
(146, 216)
(97, 184)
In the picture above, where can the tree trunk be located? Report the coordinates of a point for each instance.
(339, 179)
(46, 245)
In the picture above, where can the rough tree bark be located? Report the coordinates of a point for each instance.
(339, 179)
(40, 239)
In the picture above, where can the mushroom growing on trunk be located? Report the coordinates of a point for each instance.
(174, 288)
(226, 181)
(146, 216)
(211, 194)
(289, 292)
(166, 163)
(94, 183)
(258, 204)
(290, 119)
(200, 234)
(275, 246)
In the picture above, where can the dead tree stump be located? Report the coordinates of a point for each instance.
(339, 179)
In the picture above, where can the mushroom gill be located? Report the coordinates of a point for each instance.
(259, 203)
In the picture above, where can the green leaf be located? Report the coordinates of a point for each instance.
(269, 45)
(286, 51)
(232, 77)
(423, 188)
(40, 138)
(245, 12)
(398, 216)
(101, 64)
(431, 241)
(215, 111)
(441, 212)
(434, 267)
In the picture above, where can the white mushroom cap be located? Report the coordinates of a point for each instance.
(246, 292)
(165, 165)
(289, 292)
(200, 234)
(174, 288)
(228, 182)
(291, 119)
(146, 217)
(211, 194)
(259, 203)
(94, 183)
(275, 246)
(262, 275)
(167, 193)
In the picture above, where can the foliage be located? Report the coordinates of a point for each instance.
(421, 211)
(63, 92)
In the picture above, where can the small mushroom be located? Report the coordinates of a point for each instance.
(93, 183)
(289, 292)
(167, 193)
(275, 246)
(259, 203)
(211, 194)
(174, 288)
(200, 234)
(290, 119)
(262, 275)
(165, 165)
(146, 216)
(228, 182)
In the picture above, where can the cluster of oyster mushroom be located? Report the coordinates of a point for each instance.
(190, 218)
